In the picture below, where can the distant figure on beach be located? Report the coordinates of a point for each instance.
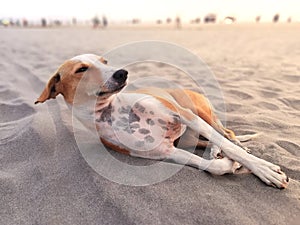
(74, 21)
(57, 22)
(289, 20)
(168, 20)
(210, 18)
(257, 19)
(158, 21)
(44, 22)
(11, 22)
(104, 22)
(96, 22)
(135, 21)
(276, 18)
(178, 22)
(197, 20)
(18, 23)
(25, 22)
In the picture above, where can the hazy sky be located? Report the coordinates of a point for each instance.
(147, 10)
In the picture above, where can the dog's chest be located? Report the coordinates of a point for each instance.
(138, 124)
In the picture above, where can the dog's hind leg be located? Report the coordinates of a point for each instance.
(202, 107)
(191, 140)
(230, 135)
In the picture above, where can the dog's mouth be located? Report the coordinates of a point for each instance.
(110, 92)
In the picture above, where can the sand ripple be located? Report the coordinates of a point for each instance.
(16, 115)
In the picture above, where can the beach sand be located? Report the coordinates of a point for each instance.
(45, 180)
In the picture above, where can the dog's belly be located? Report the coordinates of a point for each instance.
(142, 127)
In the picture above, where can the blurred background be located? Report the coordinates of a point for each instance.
(97, 13)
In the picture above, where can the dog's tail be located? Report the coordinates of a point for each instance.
(247, 137)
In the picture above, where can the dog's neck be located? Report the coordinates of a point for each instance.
(103, 103)
(87, 112)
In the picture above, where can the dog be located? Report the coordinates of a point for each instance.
(153, 123)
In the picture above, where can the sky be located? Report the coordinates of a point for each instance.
(149, 10)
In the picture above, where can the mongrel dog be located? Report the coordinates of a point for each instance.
(148, 123)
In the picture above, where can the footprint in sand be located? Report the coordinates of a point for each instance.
(268, 94)
(267, 105)
(270, 123)
(15, 114)
(232, 107)
(7, 184)
(291, 78)
(12, 112)
(240, 95)
(291, 102)
(291, 147)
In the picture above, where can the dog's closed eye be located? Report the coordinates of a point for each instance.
(82, 69)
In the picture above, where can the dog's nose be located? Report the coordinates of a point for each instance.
(120, 75)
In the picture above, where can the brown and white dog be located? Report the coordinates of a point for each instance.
(148, 123)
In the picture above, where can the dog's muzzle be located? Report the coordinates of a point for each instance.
(115, 84)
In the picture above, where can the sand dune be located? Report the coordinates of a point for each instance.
(45, 180)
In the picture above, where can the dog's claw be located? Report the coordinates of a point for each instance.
(284, 186)
(216, 153)
(219, 156)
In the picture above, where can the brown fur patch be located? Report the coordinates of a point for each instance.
(114, 147)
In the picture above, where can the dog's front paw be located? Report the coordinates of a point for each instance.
(271, 174)
(216, 152)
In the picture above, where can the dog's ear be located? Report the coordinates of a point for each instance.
(104, 61)
(51, 90)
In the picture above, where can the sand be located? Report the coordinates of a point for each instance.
(45, 180)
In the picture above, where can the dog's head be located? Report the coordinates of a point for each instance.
(88, 75)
